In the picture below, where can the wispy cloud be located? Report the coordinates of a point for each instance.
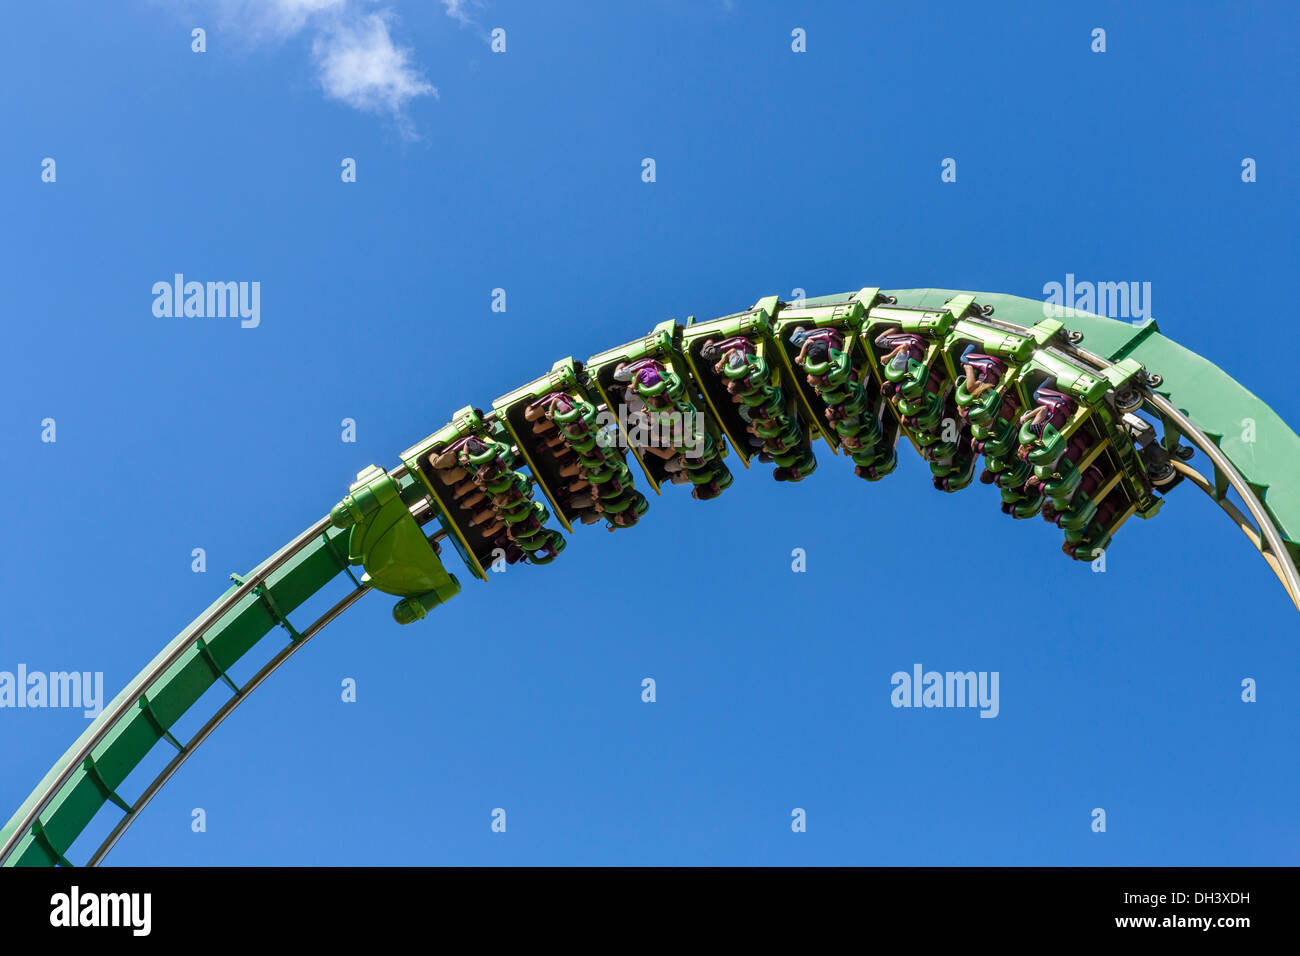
(361, 66)
(357, 61)
(460, 9)
(259, 21)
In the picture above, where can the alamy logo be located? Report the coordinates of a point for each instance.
(642, 428)
(211, 300)
(134, 910)
(54, 689)
(1114, 300)
(949, 689)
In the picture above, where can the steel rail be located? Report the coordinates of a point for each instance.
(196, 630)
(1267, 539)
(214, 722)
(418, 512)
(1282, 564)
(1285, 567)
(1243, 522)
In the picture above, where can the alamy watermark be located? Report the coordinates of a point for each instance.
(74, 908)
(948, 689)
(681, 430)
(1114, 300)
(210, 300)
(23, 688)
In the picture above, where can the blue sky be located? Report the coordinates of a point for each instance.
(521, 170)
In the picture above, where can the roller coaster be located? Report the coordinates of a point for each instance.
(1078, 420)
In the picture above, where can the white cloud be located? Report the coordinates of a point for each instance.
(459, 9)
(358, 62)
(293, 14)
(362, 67)
(265, 20)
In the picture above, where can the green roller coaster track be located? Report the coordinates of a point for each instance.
(1082, 420)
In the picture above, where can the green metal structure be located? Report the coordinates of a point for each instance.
(1080, 420)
